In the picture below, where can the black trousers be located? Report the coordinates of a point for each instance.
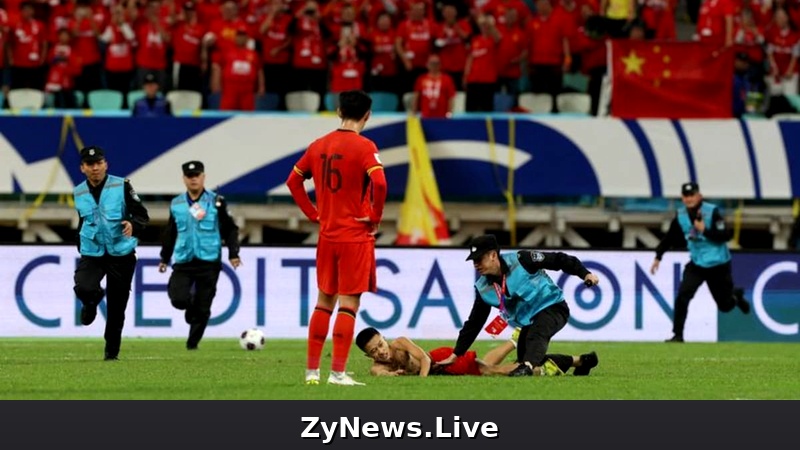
(535, 338)
(547, 79)
(720, 283)
(192, 287)
(189, 78)
(28, 77)
(118, 271)
(480, 97)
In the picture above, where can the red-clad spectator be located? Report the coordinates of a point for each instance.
(255, 11)
(568, 12)
(152, 39)
(347, 24)
(189, 57)
(404, 8)
(782, 53)
(64, 67)
(62, 15)
(4, 30)
(383, 67)
(13, 8)
(590, 44)
(434, 92)
(310, 69)
(88, 22)
(413, 43)
(27, 50)
(276, 49)
(715, 22)
(658, 17)
(120, 40)
(168, 14)
(237, 75)
(761, 11)
(347, 70)
(480, 73)
(221, 35)
(512, 52)
(209, 11)
(497, 9)
(451, 38)
(749, 38)
(332, 12)
(548, 52)
(369, 11)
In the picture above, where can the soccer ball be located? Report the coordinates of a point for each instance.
(252, 339)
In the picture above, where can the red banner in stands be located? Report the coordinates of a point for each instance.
(670, 80)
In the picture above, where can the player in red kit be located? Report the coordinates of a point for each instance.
(350, 189)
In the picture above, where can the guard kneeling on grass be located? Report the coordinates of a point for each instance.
(518, 286)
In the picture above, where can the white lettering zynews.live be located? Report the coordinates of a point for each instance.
(423, 294)
(355, 428)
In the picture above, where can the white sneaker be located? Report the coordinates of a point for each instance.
(312, 376)
(343, 379)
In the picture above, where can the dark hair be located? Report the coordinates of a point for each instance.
(364, 336)
(354, 105)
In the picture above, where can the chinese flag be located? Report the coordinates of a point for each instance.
(672, 80)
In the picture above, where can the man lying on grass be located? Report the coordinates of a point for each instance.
(403, 357)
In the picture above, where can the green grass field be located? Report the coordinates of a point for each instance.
(163, 369)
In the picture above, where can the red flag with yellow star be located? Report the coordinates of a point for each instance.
(673, 80)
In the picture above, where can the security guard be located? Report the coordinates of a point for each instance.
(199, 222)
(527, 298)
(699, 226)
(111, 218)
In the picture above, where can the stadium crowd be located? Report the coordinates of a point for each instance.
(242, 49)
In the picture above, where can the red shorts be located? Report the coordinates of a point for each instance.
(346, 268)
(463, 365)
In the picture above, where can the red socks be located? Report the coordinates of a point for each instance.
(343, 331)
(317, 333)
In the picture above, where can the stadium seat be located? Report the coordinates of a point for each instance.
(105, 100)
(536, 103)
(181, 100)
(577, 82)
(133, 96)
(26, 99)
(80, 98)
(460, 102)
(269, 101)
(503, 102)
(786, 116)
(408, 97)
(574, 102)
(384, 102)
(658, 205)
(303, 101)
(331, 101)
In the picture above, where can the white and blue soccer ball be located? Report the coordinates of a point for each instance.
(252, 339)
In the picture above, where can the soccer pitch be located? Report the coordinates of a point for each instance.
(163, 369)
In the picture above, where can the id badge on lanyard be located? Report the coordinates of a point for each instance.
(197, 211)
(499, 323)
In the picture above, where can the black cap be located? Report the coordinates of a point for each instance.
(150, 78)
(193, 168)
(480, 245)
(690, 188)
(92, 153)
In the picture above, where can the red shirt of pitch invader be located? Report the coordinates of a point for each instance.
(350, 189)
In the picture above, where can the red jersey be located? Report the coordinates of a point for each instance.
(435, 93)
(416, 38)
(347, 72)
(783, 46)
(61, 16)
(452, 47)
(152, 51)
(209, 11)
(308, 52)
(119, 51)
(240, 67)
(224, 32)
(546, 40)
(276, 36)
(384, 57)
(340, 164)
(27, 43)
(64, 67)
(750, 41)
(711, 20)
(3, 33)
(484, 53)
(86, 45)
(497, 8)
(513, 41)
(187, 40)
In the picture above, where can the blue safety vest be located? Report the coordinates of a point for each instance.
(529, 293)
(703, 252)
(143, 109)
(101, 231)
(196, 238)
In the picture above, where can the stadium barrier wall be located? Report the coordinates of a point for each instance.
(423, 293)
(551, 156)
